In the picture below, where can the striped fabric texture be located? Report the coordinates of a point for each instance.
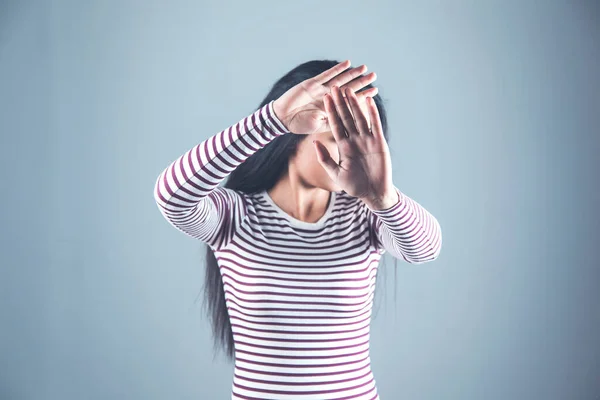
(299, 295)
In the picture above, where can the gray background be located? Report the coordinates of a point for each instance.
(494, 117)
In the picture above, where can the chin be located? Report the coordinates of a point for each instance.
(335, 188)
(329, 185)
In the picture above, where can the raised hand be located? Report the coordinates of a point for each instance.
(365, 167)
(301, 108)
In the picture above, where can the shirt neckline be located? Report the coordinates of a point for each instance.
(296, 222)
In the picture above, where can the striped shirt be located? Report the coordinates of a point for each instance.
(299, 294)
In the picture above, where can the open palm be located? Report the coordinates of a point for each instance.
(365, 168)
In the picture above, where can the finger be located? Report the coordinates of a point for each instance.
(361, 82)
(346, 77)
(334, 120)
(372, 92)
(345, 97)
(324, 158)
(376, 127)
(332, 72)
(346, 100)
(344, 112)
(367, 92)
(362, 99)
(360, 119)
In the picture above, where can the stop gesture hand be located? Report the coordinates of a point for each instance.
(365, 168)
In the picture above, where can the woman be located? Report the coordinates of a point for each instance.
(295, 236)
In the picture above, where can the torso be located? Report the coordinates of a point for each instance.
(299, 297)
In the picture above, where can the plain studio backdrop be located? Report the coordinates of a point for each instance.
(494, 125)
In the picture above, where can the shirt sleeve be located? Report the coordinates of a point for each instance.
(187, 192)
(407, 231)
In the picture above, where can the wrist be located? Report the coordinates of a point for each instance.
(280, 114)
(384, 202)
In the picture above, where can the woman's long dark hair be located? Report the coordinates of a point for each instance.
(260, 172)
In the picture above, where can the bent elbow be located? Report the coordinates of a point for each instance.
(427, 257)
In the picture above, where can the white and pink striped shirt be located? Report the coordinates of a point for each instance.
(299, 294)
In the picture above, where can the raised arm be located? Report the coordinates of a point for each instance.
(187, 192)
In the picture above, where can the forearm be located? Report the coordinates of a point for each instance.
(408, 231)
(192, 176)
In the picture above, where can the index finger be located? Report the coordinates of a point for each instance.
(332, 72)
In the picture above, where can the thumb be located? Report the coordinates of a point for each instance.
(325, 160)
